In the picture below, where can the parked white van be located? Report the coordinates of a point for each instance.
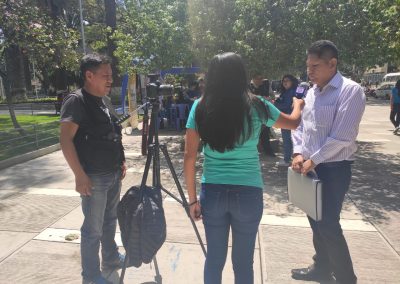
(391, 77)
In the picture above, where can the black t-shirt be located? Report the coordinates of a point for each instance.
(95, 125)
(74, 111)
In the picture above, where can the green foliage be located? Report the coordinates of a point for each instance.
(273, 36)
(154, 34)
(384, 16)
(45, 40)
(211, 27)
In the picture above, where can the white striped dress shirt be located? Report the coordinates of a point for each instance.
(330, 121)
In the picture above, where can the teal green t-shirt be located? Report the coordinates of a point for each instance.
(240, 166)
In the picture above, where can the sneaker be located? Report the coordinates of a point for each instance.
(98, 280)
(396, 130)
(117, 264)
(282, 163)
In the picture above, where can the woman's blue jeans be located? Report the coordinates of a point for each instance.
(226, 207)
(100, 222)
(287, 145)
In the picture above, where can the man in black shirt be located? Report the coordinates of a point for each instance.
(260, 87)
(91, 143)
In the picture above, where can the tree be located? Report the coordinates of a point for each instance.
(384, 16)
(26, 30)
(211, 27)
(152, 35)
(111, 24)
(273, 36)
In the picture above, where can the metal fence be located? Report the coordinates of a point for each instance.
(15, 142)
(31, 108)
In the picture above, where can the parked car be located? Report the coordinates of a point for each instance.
(384, 91)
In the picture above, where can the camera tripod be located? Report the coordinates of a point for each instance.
(153, 156)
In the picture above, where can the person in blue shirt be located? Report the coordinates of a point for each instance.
(395, 107)
(284, 104)
(228, 120)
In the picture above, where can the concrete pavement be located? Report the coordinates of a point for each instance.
(39, 208)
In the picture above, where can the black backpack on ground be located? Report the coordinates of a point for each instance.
(142, 222)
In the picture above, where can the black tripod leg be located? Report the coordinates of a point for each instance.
(183, 197)
(158, 277)
(121, 278)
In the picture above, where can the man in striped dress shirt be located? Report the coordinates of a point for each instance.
(325, 142)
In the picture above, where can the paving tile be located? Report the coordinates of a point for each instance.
(33, 213)
(42, 263)
(11, 241)
(288, 247)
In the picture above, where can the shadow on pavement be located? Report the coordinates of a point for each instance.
(377, 102)
(374, 188)
(375, 181)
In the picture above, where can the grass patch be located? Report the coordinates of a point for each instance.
(39, 131)
(26, 120)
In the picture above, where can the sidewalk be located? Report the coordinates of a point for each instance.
(39, 208)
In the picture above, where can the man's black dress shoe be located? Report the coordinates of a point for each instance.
(311, 274)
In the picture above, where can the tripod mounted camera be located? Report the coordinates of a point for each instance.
(153, 156)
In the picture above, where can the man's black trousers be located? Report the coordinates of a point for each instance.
(332, 253)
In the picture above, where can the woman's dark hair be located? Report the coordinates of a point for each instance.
(226, 105)
(398, 85)
(91, 62)
(293, 79)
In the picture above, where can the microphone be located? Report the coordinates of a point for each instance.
(301, 90)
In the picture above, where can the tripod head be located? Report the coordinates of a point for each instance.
(154, 90)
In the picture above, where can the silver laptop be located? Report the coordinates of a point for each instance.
(305, 192)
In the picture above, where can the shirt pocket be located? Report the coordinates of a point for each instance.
(324, 116)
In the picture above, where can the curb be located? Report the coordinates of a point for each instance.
(29, 156)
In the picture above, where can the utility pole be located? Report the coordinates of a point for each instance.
(82, 27)
(34, 78)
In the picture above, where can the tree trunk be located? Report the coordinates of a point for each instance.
(60, 82)
(55, 9)
(14, 120)
(27, 72)
(111, 21)
(15, 73)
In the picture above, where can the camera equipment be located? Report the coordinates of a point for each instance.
(154, 90)
(153, 156)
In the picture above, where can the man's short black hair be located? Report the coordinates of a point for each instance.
(323, 49)
(92, 61)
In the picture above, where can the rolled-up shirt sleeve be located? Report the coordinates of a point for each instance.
(344, 128)
(297, 139)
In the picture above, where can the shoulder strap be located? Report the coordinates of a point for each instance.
(81, 97)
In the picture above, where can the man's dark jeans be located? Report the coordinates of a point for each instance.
(332, 253)
(395, 115)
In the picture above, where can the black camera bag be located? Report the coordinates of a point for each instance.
(142, 222)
